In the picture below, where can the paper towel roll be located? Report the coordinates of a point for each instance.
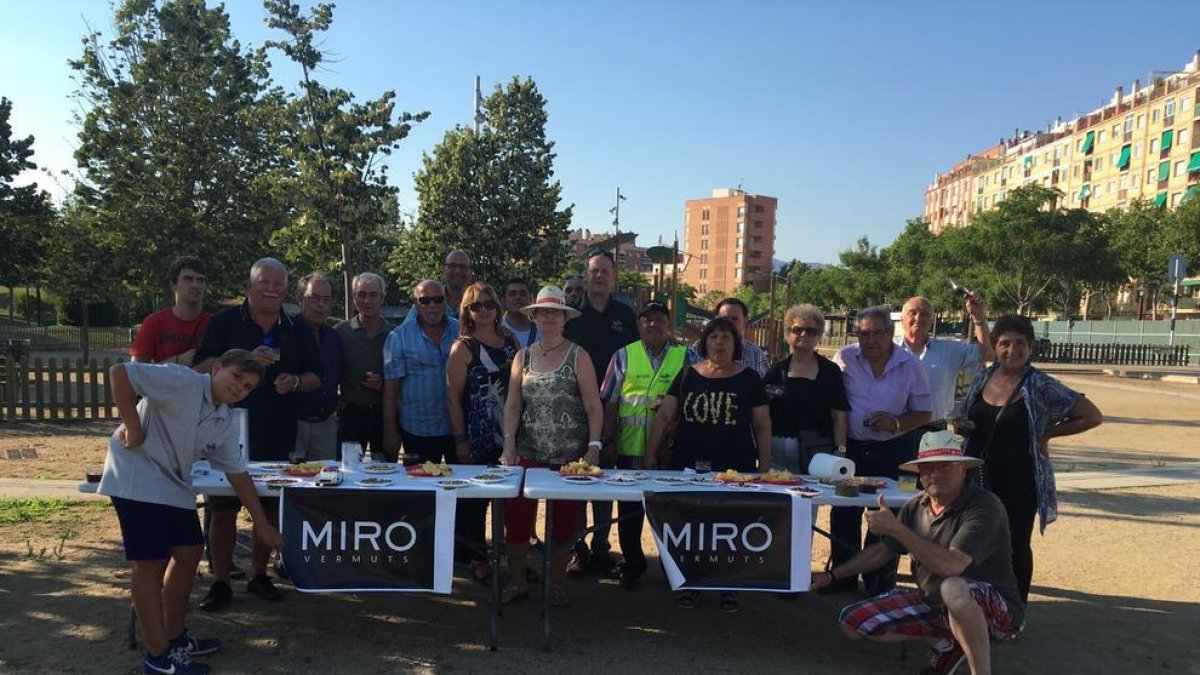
(824, 465)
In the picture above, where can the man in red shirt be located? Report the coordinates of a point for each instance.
(171, 335)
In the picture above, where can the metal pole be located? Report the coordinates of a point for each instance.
(1174, 312)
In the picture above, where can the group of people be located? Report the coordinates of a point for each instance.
(478, 375)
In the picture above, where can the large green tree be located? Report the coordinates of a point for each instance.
(492, 194)
(25, 210)
(343, 207)
(177, 153)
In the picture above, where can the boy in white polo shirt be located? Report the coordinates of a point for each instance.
(183, 417)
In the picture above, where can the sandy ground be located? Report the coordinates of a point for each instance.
(1114, 587)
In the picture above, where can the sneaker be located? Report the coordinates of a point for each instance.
(580, 561)
(602, 563)
(629, 576)
(196, 646)
(219, 595)
(262, 587)
(945, 658)
(175, 661)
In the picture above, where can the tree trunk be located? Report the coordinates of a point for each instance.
(346, 275)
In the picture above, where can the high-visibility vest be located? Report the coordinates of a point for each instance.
(641, 386)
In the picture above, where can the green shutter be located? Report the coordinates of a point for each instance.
(1160, 200)
(1167, 138)
(1194, 163)
(1123, 163)
(1164, 171)
(1088, 142)
(1191, 192)
(1028, 161)
(1085, 192)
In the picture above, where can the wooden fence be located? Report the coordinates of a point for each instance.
(55, 389)
(42, 338)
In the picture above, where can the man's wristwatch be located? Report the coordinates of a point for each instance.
(841, 450)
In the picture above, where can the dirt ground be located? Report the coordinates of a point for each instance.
(1114, 590)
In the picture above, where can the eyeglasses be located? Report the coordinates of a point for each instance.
(320, 299)
(873, 334)
(432, 300)
(490, 305)
(805, 330)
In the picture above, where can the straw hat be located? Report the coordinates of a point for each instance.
(940, 446)
(551, 297)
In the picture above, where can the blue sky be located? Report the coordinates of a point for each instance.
(844, 111)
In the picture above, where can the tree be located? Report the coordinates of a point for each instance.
(177, 145)
(25, 211)
(83, 261)
(335, 147)
(860, 280)
(492, 194)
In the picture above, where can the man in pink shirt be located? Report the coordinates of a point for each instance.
(888, 392)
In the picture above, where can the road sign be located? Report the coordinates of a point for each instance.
(1177, 267)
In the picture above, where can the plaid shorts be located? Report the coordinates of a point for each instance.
(904, 612)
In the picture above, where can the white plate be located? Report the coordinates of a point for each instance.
(453, 483)
(670, 480)
(378, 468)
(704, 482)
(745, 486)
(804, 491)
(640, 475)
(490, 477)
(579, 480)
(622, 480)
(277, 483)
(375, 482)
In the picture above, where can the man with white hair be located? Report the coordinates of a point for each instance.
(360, 417)
(942, 358)
(957, 536)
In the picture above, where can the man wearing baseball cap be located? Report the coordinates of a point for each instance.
(957, 535)
(637, 378)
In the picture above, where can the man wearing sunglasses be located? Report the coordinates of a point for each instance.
(456, 276)
(888, 392)
(414, 380)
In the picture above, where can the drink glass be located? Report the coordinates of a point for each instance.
(351, 455)
(703, 466)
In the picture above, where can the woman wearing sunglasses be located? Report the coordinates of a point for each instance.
(807, 396)
(476, 386)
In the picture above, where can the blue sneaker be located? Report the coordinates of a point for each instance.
(196, 646)
(175, 661)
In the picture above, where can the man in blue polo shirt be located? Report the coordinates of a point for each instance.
(414, 380)
(943, 359)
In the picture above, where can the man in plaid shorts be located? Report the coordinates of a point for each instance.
(957, 535)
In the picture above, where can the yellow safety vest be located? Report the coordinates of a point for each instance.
(641, 386)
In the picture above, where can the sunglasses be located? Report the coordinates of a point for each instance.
(432, 300)
(804, 330)
(490, 305)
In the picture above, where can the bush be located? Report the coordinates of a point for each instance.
(100, 314)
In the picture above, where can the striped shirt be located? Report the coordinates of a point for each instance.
(420, 365)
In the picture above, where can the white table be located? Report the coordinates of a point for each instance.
(548, 484)
(212, 483)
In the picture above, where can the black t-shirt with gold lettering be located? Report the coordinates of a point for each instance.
(716, 419)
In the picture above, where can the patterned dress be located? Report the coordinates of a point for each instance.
(554, 426)
(483, 399)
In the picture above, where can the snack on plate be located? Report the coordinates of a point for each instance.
(580, 468)
(277, 483)
(781, 477)
(579, 478)
(849, 487)
(490, 477)
(375, 482)
(731, 476)
(378, 468)
(306, 469)
(430, 469)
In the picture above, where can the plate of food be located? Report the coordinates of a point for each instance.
(429, 470)
(378, 469)
(704, 481)
(871, 484)
(781, 477)
(502, 468)
(670, 480)
(580, 468)
(303, 469)
(731, 476)
(453, 483)
(744, 486)
(375, 481)
(578, 479)
(623, 479)
(640, 475)
(277, 483)
(260, 477)
(490, 476)
(270, 467)
(806, 492)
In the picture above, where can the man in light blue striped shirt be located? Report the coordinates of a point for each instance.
(414, 380)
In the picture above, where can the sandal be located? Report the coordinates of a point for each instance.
(514, 594)
(559, 597)
(481, 571)
(687, 599)
(729, 601)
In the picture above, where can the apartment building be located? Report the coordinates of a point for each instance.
(729, 241)
(1140, 145)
